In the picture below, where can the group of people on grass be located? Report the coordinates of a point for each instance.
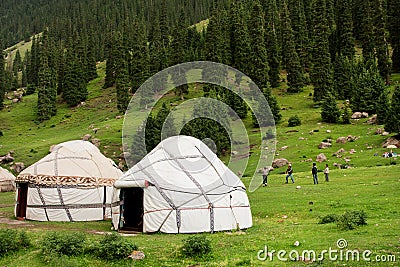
(289, 173)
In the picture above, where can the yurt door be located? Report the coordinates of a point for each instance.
(21, 200)
(133, 209)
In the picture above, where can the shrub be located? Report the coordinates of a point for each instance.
(113, 247)
(294, 121)
(8, 241)
(12, 240)
(351, 219)
(196, 246)
(63, 243)
(330, 218)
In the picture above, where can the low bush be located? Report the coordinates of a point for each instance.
(12, 240)
(330, 218)
(63, 243)
(294, 121)
(351, 219)
(196, 246)
(113, 247)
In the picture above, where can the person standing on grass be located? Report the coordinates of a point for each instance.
(289, 172)
(326, 171)
(314, 172)
(265, 176)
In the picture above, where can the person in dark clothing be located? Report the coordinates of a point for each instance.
(289, 172)
(314, 172)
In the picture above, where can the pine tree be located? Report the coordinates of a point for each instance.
(111, 53)
(239, 38)
(75, 90)
(344, 29)
(47, 91)
(2, 78)
(321, 72)
(346, 114)
(393, 119)
(330, 111)
(344, 77)
(382, 50)
(290, 58)
(257, 61)
(122, 86)
(271, 41)
(17, 63)
(299, 26)
(382, 109)
(367, 31)
(369, 86)
(393, 8)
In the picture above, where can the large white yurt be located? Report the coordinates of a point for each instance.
(181, 186)
(72, 183)
(7, 181)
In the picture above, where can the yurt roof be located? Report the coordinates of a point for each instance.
(72, 163)
(181, 164)
(5, 175)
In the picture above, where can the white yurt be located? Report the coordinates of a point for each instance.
(7, 181)
(181, 186)
(72, 183)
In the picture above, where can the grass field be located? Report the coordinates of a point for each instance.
(282, 214)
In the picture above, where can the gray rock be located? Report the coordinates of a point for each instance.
(356, 115)
(86, 137)
(321, 158)
(373, 119)
(277, 163)
(341, 140)
(18, 167)
(324, 145)
(96, 142)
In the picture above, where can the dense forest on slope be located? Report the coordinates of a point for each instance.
(340, 47)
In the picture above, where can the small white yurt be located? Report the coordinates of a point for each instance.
(181, 186)
(72, 183)
(7, 181)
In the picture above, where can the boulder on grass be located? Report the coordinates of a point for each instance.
(356, 115)
(277, 163)
(321, 158)
(341, 140)
(324, 145)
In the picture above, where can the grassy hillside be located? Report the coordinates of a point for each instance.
(282, 214)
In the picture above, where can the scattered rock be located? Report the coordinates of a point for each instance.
(328, 131)
(239, 173)
(96, 142)
(356, 115)
(369, 147)
(82, 104)
(347, 159)
(379, 131)
(296, 244)
(137, 255)
(18, 167)
(394, 140)
(373, 119)
(86, 137)
(351, 138)
(340, 151)
(352, 151)
(277, 163)
(6, 158)
(15, 100)
(118, 117)
(298, 187)
(321, 158)
(385, 133)
(324, 145)
(284, 148)
(95, 130)
(364, 115)
(234, 153)
(302, 138)
(341, 140)
(311, 132)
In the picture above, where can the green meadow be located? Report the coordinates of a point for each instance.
(285, 216)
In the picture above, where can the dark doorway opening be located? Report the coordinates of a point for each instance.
(22, 200)
(133, 209)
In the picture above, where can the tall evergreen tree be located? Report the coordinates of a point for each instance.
(257, 61)
(367, 30)
(17, 63)
(290, 57)
(321, 72)
(122, 85)
(47, 91)
(330, 111)
(344, 77)
(75, 90)
(2, 78)
(271, 41)
(382, 50)
(299, 26)
(393, 119)
(344, 29)
(393, 7)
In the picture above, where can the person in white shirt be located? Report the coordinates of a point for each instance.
(326, 171)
